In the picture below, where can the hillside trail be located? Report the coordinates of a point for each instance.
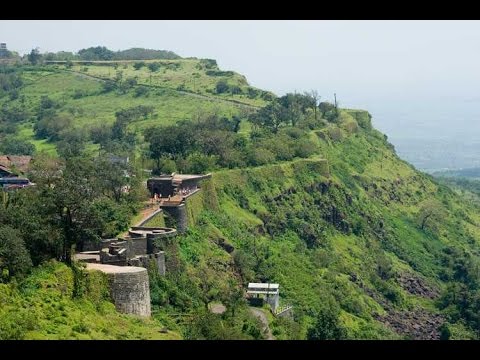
(188, 93)
(259, 313)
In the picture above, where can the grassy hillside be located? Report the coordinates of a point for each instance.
(343, 231)
(362, 245)
(44, 306)
(178, 90)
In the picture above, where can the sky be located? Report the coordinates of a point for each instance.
(420, 80)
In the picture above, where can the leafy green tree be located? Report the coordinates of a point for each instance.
(165, 166)
(111, 177)
(325, 107)
(327, 325)
(199, 163)
(208, 284)
(101, 134)
(430, 214)
(233, 297)
(271, 116)
(14, 257)
(141, 91)
(108, 86)
(96, 53)
(14, 146)
(51, 127)
(34, 56)
(71, 196)
(72, 143)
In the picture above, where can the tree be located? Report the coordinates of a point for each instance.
(315, 99)
(96, 53)
(13, 146)
(430, 214)
(208, 284)
(326, 107)
(199, 163)
(327, 325)
(70, 204)
(34, 56)
(101, 134)
(170, 141)
(233, 297)
(111, 177)
(14, 257)
(72, 143)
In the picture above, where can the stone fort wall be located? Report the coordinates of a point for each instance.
(129, 288)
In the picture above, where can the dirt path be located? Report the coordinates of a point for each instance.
(263, 318)
(147, 212)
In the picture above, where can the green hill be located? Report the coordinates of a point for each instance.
(345, 231)
(363, 245)
(91, 92)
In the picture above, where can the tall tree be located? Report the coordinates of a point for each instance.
(431, 212)
(34, 56)
(316, 99)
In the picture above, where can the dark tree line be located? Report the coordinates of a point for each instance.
(214, 142)
(293, 109)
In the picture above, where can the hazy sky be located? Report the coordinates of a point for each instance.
(417, 78)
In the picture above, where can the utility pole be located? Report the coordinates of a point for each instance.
(336, 105)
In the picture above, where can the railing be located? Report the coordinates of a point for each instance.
(282, 309)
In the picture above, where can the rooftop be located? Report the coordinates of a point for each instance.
(271, 286)
(21, 162)
(112, 269)
(180, 177)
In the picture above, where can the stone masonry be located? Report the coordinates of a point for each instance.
(129, 288)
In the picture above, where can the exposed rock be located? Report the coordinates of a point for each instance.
(417, 286)
(418, 324)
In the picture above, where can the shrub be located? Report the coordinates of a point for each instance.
(141, 91)
(138, 65)
(222, 87)
(260, 156)
(154, 66)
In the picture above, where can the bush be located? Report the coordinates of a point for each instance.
(222, 87)
(154, 66)
(252, 93)
(260, 156)
(141, 91)
(236, 90)
(108, 86)
(138, 65)
(335, 133)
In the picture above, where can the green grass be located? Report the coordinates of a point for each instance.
(186, 76)
(42, 307)
(367, 181)
(95, 107)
